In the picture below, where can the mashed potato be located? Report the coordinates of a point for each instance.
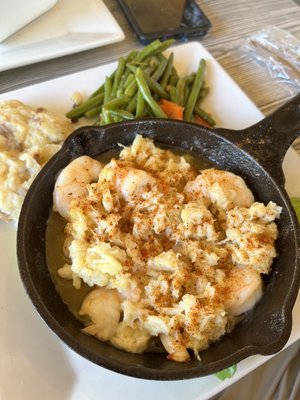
(174, 256)
(28, 138)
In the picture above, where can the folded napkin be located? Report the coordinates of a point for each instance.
(278, 51)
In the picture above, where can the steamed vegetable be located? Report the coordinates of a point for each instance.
(146, 93)
(196, 87)
(171, 109)
(146, 83)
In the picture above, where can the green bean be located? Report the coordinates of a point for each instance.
(161, 57)
(160, 70)
(173, 94)
(118, 76)
(140, 105)
(80, 110)
(153, 62)
(188, 112)
(100, 89)
(189, 79)
(149, 70)
(167, 72)
(173, 79)
(131, 56)
(163, 46)
(180, 91)
(182, 88)
(131, 89)
(154, 48)
(204, 115)
(131, 68)
(148, 111)
(117, 102)
(121, 113)
(107, 89)
(147, 51)
(130, 78)
(128, 60)
(117, 118)
(132, 104)
(93, 112)
(125, 76)
(203, 93)
(186, 94)
(155, 97)
(136, 64)
(120, 92)
(155, 87)
(145, 67)
(141, 81)
(105, 117)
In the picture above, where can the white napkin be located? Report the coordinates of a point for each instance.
(15, 14)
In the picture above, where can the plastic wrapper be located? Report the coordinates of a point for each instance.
(279, 51)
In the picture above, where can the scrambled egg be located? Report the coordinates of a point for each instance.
(28, 138)
(174, 255)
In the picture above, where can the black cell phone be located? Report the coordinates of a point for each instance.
(163, 19)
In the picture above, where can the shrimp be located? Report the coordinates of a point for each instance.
(65, 272)
(103, 307)
(72, 181)
(66, 246)
(242, 291)
(223, 188)
(131, 338)
(134, 183)
(177, 351)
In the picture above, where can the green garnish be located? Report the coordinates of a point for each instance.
(296, 203)
(226, 373)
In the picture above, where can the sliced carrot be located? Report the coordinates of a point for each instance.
(198, 120)
(172, 110)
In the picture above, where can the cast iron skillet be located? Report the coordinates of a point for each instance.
(255, 153)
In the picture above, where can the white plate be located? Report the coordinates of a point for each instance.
(69, 27)
(34, 363)
(12, 21)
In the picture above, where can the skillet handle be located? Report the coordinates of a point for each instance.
(269, 139)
